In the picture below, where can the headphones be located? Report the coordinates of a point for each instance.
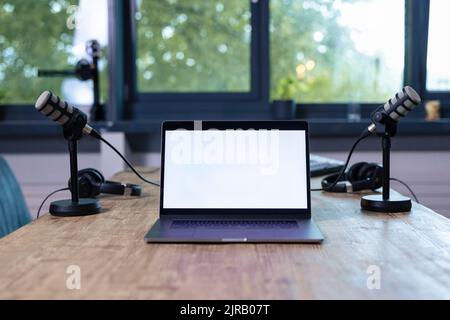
(360, 176)
(91, 183)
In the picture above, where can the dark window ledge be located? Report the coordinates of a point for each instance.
(318, 127)
(326, 136)
(35, 128)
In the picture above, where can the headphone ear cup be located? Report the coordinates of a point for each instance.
(89, 183)
(85, 189)
(372, 173)
(365, 171)
(354, 172)
(94, 173)
(377, 177)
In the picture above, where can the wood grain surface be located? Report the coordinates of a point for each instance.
(412, 252)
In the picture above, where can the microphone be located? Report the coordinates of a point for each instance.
(396, 108)
(62, 113)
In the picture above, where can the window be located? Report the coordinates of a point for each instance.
(223, 58)
(48, 34)
(337, 51)
(193, 46)
(438, 68)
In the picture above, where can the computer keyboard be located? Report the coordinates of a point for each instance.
(320, 166)
(234, 224)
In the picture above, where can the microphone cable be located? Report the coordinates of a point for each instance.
(47, 197)
(98, 136)
(363, 136)
(407, 187)
(152, 182)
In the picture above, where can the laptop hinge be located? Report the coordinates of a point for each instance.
(235, 217)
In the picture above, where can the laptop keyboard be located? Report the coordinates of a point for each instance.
(234, 224)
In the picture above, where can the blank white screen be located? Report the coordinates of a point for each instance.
(235, 169)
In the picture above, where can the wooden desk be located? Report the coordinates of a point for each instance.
(411, 250)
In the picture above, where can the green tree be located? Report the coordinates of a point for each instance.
(34, 35)
(194, 45)
(308, 42)
(198, 46)
(304, 34)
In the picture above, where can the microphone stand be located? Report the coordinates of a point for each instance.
(386, 202)
(98, 110)
(73, 131)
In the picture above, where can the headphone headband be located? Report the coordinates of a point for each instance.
(125, 189)
(361, 176)
(339, 187)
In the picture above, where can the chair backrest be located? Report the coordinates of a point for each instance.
(13, 209)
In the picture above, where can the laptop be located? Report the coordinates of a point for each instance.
(235, 182)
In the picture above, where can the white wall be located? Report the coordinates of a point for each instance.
(39, 174)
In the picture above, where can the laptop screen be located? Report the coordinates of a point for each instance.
(235, 169)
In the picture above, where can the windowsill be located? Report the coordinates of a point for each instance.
(318, 127)
(33, 128)
(328, 135)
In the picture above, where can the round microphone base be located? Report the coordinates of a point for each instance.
(67, 208)
(395, 204)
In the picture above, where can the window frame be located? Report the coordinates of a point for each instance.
(416, 42)
(147, 104)
(124, 104)
(422, 12)
(222, 105)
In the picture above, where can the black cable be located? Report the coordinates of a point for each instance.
(341, 174)
(46, 198)
(152, 182)
(407, 187)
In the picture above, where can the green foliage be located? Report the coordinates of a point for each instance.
(287, 88)
(341, 73)
(2, 96)
(199, 46)
(34, 35)
(172, 33)
(195, 45)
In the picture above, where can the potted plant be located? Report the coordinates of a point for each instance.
(284, 107)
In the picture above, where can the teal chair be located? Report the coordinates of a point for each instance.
(13, 209)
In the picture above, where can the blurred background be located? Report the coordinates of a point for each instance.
(332, 61)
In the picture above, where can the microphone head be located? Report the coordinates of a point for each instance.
(54, 108)
(403, 102)
(61, 112)
(42, 100)
(413, 95)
